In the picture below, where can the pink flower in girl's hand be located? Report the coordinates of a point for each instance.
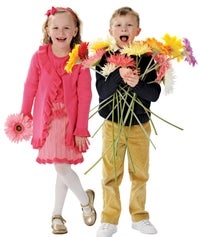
(18, 127)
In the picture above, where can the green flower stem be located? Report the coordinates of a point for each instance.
(120, 97)
(91, 167)
(164, 120)
(131, 110)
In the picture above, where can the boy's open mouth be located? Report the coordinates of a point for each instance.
(124, 38)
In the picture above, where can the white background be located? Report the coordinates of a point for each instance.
(27, 188)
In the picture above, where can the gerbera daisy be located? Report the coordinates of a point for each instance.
(169, 80)
(101, 44)
(136, 48)
(120, 60)
(18, 127)
(73, 58)
(156, 46)
(83, 51)
(107, 69)
(94, 59)
(163, 65)
(175, 47)
(189, 57)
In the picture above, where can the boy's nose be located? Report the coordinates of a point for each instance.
(124, 28)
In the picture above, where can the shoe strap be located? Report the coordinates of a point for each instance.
(58, 217)
(89, 203)
(86, 206)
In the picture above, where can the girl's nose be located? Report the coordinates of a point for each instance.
(61, 31)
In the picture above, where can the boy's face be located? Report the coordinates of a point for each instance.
(124, 29)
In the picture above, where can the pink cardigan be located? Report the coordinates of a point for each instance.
(40, 90)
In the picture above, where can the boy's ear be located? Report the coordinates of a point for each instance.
(138, 31)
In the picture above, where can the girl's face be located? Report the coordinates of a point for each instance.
(61, 28)
(124, 29)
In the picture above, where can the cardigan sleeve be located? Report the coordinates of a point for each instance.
(30, 86)
(84, 94)
(77, 98)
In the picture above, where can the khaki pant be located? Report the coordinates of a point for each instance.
(133, 142)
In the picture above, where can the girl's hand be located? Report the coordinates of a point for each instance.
(82, 143)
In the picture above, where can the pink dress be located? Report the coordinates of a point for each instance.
(54, 149)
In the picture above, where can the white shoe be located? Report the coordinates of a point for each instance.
(106, 230)
(144, 226)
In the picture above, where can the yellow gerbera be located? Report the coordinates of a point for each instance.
(101, 44)
(73, 59)
(175, 46)
(136, 48)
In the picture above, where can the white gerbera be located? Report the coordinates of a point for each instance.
(169, 80)
(107, 69)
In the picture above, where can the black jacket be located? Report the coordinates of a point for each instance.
(116, 109)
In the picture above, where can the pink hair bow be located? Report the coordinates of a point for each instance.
(51, 11)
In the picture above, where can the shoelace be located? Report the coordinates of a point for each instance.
(146, 222)
(106, 226)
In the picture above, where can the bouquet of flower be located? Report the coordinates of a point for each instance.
(162, 54)
(18, 127)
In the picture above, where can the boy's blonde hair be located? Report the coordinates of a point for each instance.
(125, 11)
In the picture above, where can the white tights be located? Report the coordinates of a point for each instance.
(67, 179)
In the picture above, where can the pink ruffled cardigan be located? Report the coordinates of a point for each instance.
(40, 90)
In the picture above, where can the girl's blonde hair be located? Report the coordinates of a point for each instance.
(76, 40)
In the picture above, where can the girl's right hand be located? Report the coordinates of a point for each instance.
(82, 143)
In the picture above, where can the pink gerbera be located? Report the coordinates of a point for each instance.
(94, 59)
(121, 60)
(163, 65)
(18, 127)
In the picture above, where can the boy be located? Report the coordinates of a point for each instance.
(124, 27)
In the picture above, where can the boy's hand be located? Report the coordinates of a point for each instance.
(129, 76)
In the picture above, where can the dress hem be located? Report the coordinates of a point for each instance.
(59, 161)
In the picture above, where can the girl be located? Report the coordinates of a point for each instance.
(61, 103)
